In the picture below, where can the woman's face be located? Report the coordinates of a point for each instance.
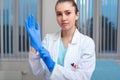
(66, 16)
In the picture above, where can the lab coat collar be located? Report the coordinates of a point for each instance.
(57, 36)
(75, 38)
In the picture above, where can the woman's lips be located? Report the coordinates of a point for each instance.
(64, 24)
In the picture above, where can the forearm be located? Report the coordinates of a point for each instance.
(45, 56)
(35, 62)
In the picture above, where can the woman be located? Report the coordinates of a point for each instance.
(65, 55)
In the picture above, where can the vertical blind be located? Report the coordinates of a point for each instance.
(109, 26)
(108, 23)
(86, 12)
(14, 42)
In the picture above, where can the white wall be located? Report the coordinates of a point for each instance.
(49, 23)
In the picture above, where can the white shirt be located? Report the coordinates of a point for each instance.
(81, 52)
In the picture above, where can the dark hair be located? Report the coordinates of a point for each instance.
(74, 5)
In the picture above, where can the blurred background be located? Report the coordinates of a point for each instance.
(99, 19)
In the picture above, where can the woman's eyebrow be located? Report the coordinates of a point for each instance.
(64, 11)
(67, 10)
(58, 11)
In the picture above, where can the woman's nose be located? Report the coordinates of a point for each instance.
(64, 17)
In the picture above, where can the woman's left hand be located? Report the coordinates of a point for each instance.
(33, 30)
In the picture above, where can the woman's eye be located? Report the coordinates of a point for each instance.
(68, 13)
(59, 14)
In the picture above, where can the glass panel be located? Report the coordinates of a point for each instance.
(109, 21)
(7, 26)
(12, 19)
(25, 8)
(86, 10)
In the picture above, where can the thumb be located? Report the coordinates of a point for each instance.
(37, 27)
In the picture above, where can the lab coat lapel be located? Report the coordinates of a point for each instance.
(72, 52)
(55, 46)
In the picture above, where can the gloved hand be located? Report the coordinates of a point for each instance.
(33, 31)
(45, 55)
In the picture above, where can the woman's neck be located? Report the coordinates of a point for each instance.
(67, 36)
(68, 33)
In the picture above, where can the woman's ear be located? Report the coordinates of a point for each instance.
(77, 15)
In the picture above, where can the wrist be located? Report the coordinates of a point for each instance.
(51, 67)
(33, 50)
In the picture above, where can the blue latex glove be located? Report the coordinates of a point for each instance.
(33, 31)
(45, 55)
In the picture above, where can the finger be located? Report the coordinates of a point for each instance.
(37, 26)
(31, 21)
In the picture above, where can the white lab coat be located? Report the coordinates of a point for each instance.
(81, 51)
